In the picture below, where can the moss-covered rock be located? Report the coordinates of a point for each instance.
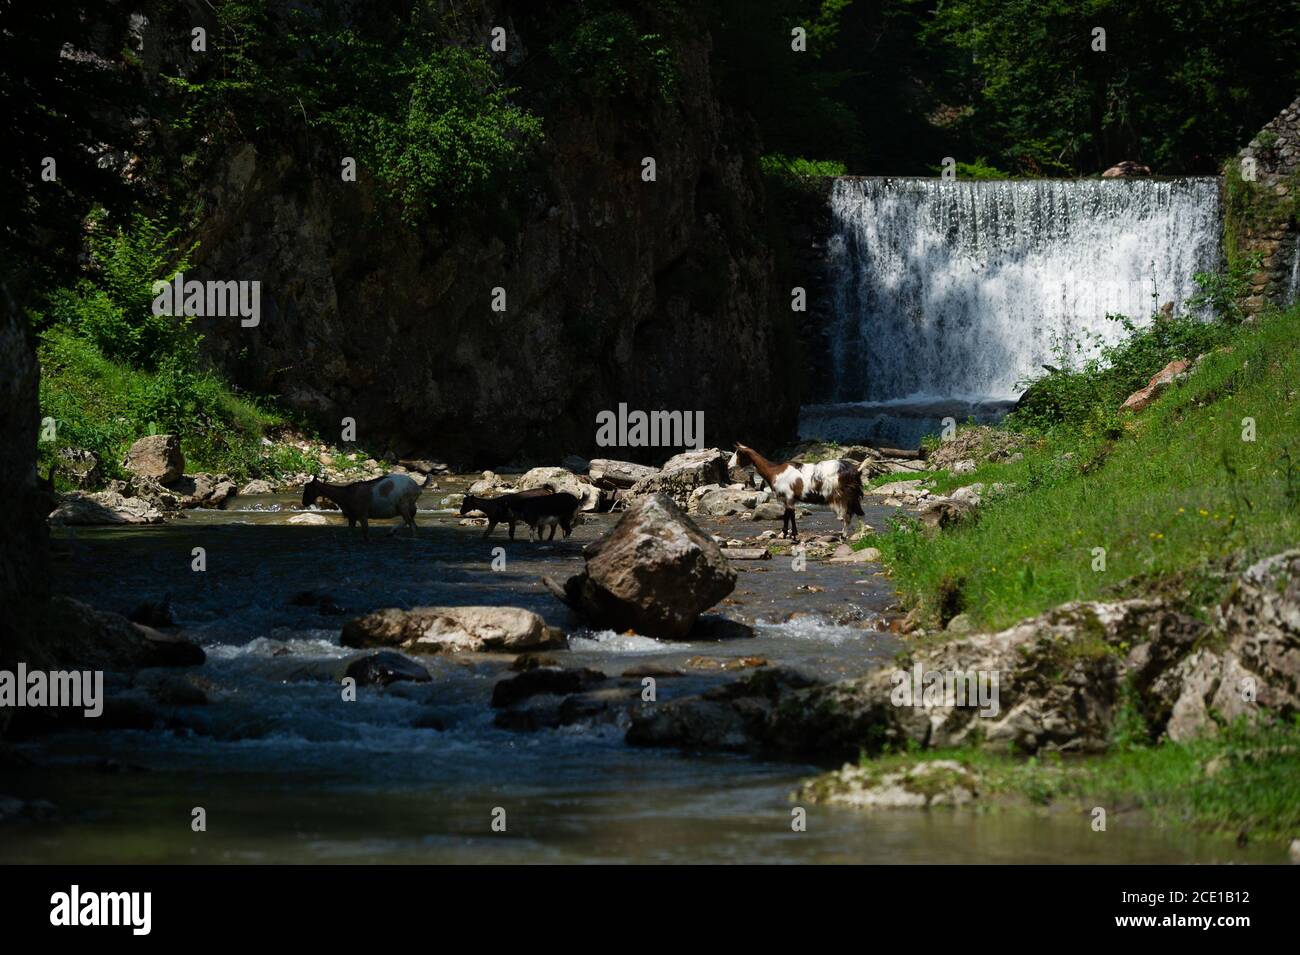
(928, 784)
(1070, 680)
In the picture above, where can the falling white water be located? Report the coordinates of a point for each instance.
(948, 290)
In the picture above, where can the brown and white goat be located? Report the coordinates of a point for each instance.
(834, 482)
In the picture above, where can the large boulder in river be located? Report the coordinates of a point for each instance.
(1059, 685)
(655, 572)
(615, 475)
(731, 716)
(104, 507)
(685, 472)
(203, 490)
(157, 456)
(556, 680)
(67, 633)
(562, 481)
(384, 667)
(452, 630)
(715, 501)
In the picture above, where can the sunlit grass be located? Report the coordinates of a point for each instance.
(1175, 500)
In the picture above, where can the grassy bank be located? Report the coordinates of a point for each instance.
(1243, 782)
(113, 372)
(1101, 503)
(102, 405)
(1175, 496)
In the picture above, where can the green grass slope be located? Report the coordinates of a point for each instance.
(1178, 495)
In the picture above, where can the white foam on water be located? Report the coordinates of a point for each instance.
(264, 647)
(607, 641)
(811, 627)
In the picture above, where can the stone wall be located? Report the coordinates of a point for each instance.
(1263, 214)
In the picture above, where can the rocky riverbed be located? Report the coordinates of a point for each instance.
(261, 736)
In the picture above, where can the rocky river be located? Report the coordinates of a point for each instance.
(287, 771)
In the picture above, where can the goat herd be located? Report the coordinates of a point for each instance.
(835, 482)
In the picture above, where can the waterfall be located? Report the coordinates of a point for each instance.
(948, 294)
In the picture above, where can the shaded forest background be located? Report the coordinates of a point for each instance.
(1006, 87)
(891, 87)
(456, 137)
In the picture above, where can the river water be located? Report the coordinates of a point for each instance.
(288, 772)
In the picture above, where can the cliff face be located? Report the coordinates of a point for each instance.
(657, 294)
(803, 219)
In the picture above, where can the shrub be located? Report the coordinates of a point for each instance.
(432, 122)
(1088, 398)
(607, 55)
(453, 138)
(114, 307)
(797, 172)
(979, 169)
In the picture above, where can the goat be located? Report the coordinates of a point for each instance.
(834, 482)
(546, 511)
(497, 509)
(393, 495)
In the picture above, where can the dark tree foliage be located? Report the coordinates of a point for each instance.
(885, 87)
(892, 86)
(66, 82)
(1180, 85)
